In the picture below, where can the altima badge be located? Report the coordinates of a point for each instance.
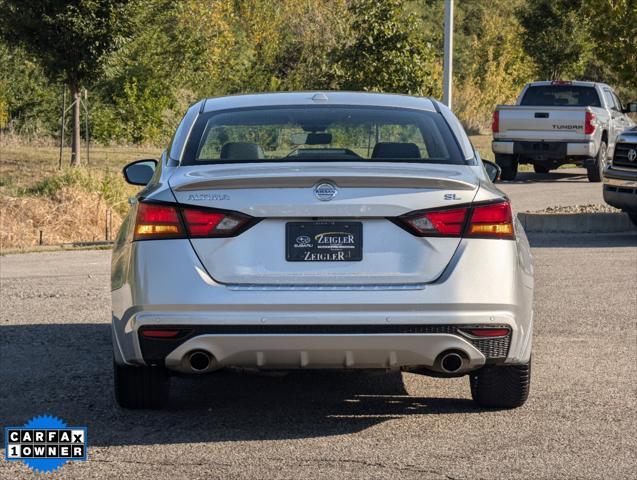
(325, 191)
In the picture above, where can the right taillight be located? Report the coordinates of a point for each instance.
(157, 221)
(492, 220)
(495, 122)
(589, 123)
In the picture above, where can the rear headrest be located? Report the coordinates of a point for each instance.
(241, 151)
(395, 150)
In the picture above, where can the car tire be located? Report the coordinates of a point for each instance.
(541, 169)
(141, 387)
(509, 166)
(594, 172)
(501, 386)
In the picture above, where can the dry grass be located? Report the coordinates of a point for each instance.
(21, 166)
(73, 205)
(67, 205)
(70, 215)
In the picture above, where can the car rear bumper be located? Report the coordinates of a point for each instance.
(620, 188)
(319, 327)
(545, 150)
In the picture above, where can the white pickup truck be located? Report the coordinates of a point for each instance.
(559, 122)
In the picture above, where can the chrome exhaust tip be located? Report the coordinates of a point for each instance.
(200, 361)
(451, 361)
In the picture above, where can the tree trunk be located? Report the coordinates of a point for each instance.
(76, 139)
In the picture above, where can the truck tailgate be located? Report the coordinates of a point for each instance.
(542, 123)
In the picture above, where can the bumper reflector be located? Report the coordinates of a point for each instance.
(160, 333)
(487, 332)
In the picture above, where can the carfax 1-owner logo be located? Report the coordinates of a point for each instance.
(45, 443)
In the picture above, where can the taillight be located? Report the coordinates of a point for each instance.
(492, 220)
(157, 221)
(448, 223)
(589, 125)
(208, 223)
(495, 122)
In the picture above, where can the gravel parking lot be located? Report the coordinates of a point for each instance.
(566, 186)
(55, 357)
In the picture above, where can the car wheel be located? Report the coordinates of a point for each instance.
(509, 166)
(141, 387)
(594, 172)
(505, 386)
(541, 169)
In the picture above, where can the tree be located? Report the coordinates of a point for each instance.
(70, 39)
(387, 53)
(556, 37)
(615, 34)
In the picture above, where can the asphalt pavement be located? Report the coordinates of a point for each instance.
(579, 422)
(531, 192)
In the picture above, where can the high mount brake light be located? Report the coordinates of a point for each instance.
(161, 221)
(493, 220)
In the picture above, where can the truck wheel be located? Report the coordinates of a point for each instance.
(505, 386)
(594, 172)
(509, 166)
(541, 169)
(141, 387)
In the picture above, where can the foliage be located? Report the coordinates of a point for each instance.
(555, 36)
(497, 67)
(615, 35)
(145, 61)
(107, 185)
(387, 53)
(70, 39)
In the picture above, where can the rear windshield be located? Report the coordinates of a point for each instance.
(561, 95)
(321, 133)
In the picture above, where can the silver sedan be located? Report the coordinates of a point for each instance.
(326, 230)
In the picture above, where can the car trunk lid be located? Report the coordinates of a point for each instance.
(284, 197)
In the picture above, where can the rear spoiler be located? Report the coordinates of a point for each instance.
(293, 180)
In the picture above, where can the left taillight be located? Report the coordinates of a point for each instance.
(163, 221)
(492, 220)
(158, 221)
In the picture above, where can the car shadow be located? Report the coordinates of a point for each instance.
(65, 370)
(551, 177)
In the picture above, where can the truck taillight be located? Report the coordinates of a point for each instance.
(495, 122)
(492, 220)
(589, 123)
(157, 221)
